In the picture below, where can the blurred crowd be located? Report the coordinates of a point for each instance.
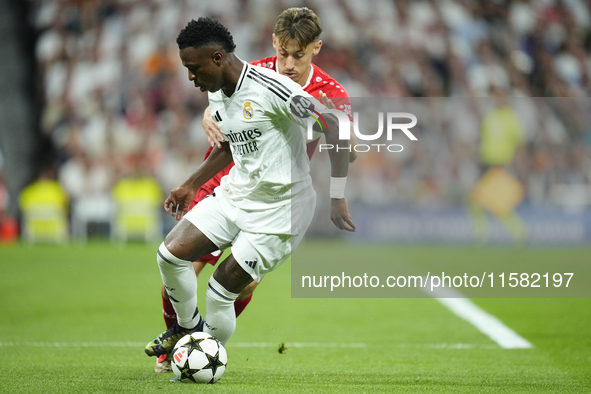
(550, 156)
(117, 102)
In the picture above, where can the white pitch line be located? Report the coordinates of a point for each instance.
(315, 345)
(301, 344)
(482, 320)
(71, 344)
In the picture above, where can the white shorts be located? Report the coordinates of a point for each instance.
(260, 239)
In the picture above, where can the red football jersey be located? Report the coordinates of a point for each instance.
(317, 80)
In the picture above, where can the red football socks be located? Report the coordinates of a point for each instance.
(168, 313)
(239, 305)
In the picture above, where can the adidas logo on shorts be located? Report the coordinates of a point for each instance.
(251, 264)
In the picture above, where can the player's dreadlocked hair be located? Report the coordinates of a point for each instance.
(205, 31)
(299, 24)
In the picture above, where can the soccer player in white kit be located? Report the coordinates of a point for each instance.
(263, 207)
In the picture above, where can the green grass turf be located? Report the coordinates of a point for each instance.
(61, 309)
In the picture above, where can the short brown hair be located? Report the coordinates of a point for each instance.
(300, 24)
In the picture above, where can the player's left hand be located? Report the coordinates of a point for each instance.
(177, 203)
(326, 101)
(339, 214)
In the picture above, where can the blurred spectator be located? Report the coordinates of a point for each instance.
(88, 182)
(44, 204)
(498, 191)
(8, 225)
(139, 203)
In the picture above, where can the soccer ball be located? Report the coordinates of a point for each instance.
(199, 358)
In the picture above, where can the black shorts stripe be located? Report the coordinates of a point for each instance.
(281, 87)
(168, 261)
(263, 83)
(218, 293)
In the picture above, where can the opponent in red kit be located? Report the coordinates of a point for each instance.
(295, 40)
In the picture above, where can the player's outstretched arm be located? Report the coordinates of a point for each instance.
(212, 130)
(339, 164)
(177, 203)
(353, 141)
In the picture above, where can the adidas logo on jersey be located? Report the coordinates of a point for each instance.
(251, 264)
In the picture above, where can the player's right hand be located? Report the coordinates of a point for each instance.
(339, 214)
(177, 203)
(212, 130)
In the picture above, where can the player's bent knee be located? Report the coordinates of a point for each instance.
(188, 242)
(166, 259)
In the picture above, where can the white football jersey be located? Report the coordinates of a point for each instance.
(268, 143)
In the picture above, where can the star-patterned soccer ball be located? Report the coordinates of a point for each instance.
(199, 358)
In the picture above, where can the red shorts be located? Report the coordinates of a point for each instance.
(214, 182)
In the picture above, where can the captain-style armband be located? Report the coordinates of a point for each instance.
(337, 187)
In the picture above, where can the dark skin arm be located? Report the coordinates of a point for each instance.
(177, 203)
(339, 166)
(353, 141)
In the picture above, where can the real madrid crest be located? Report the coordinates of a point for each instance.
(248, 112)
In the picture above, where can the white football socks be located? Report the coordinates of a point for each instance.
(221, 317)
(180, 281)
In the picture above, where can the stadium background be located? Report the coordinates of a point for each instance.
(93, 93)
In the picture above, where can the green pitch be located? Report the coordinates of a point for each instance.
(75, 319)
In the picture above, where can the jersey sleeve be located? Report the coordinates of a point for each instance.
(298, 109)
(303, 106)
(337, 94)
(267, 62)
(343, 104)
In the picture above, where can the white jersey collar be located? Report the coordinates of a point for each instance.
(309, 76)
(242, 75)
